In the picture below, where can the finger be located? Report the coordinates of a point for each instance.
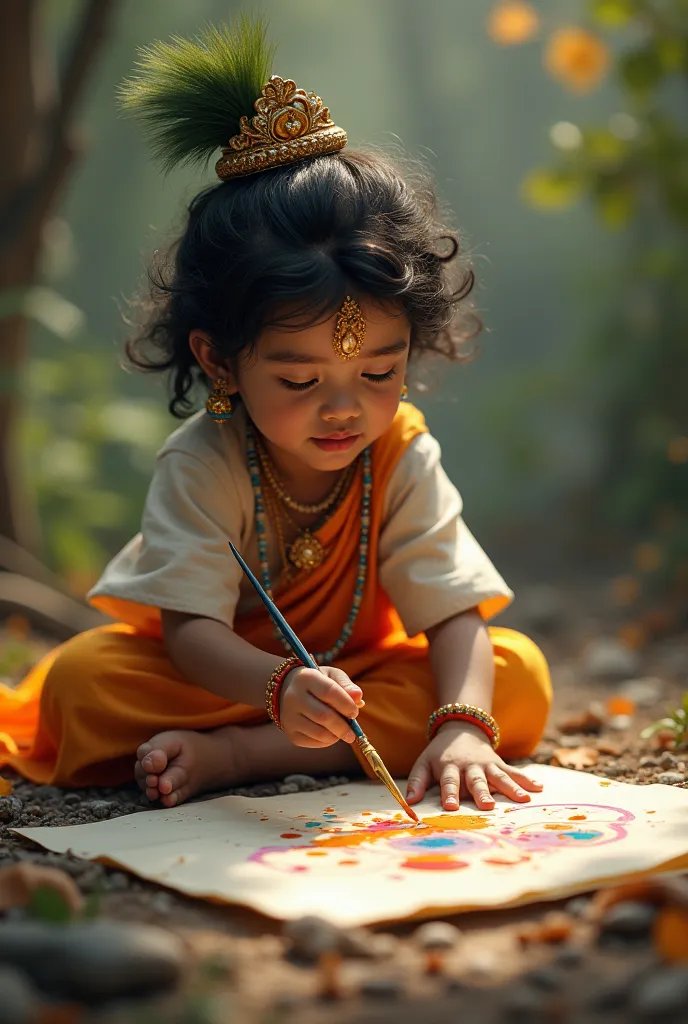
(325, 716)
(308, 727)
(478, 787)
(450, 784)
(503, 783)
(419, 779)
(353, 689)
(333, 694)
(299, 739)
(523, 780)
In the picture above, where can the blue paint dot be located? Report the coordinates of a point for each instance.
(329, 815)
(312, 824)
(435, 843)
(582, 835)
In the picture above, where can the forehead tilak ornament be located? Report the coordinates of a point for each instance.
(349, 329)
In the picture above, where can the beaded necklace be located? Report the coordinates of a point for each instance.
(327, 657)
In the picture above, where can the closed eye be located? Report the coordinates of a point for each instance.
(292, 385)
(380, 378)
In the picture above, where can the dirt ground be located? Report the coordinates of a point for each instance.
(243, 967)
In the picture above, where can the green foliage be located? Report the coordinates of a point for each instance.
(190, 95)
(48, 904)
(676, 724)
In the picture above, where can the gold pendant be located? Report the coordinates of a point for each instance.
(306, 552)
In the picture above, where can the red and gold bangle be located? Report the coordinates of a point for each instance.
(465, 713)
(274, 687)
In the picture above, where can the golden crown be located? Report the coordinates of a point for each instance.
(289, 124)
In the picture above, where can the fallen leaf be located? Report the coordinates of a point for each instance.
(20, 883)
(578, 757)
(586, 723)
(670, 934)
(611, 749)
(5, 787)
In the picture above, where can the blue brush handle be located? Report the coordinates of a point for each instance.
(289, 634)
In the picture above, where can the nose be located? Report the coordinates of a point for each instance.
(340, 407)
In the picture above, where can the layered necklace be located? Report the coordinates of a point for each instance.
(307, 551)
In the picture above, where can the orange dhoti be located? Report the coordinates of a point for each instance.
(79, 717)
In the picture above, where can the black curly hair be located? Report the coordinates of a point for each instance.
(300, 238)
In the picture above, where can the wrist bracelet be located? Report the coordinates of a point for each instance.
(465, 713)
(274, 687)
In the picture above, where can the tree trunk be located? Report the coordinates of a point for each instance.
(38, 150)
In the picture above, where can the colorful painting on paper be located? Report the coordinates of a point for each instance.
(350, 854)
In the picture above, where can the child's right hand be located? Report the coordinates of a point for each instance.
(312, 703)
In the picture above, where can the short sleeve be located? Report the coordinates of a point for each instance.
(180, 560)
(430, 564)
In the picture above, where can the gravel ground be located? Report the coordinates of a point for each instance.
(240, 966)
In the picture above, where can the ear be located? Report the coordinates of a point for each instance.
(212, 363)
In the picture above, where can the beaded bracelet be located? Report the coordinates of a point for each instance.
(464, 713)
(274, 687)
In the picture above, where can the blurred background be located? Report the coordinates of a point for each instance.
(557, 135)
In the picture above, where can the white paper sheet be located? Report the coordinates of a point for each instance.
(349, 854)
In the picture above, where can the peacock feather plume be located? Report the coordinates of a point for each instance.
(189, 94)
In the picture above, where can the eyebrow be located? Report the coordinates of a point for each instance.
(287, 356)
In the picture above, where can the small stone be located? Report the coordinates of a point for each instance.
(644, 693)
(546, 979)
(162, 902)
(671, 778)
(611, 995)
(95, 961)
(71, 799)
(437, 935)
(663, 995)
(100, 809)
(47, 793)
(620, 723)
(118, 881)
(569, 956)
(311, 936)
(302, 782)
(578, 906)
(288, 787)
(609, 659)
(648, 762)
(381, 988)
(525, 1006)
(36, 810)
(614, 770)
(630, 919)
(19, 1002)
(667, 761)
(10, 808)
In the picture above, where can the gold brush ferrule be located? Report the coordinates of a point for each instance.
(376, 763)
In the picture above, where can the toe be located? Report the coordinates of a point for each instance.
(173, 780)
(155, 761)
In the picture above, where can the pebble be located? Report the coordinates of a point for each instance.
(437, 935)
(47, 793)
(614, 770)
(524, 1006)
(71, 799)
(10, 808)
(546, 979)
(668, 760)
(671, 778)
(288, 787)
(162, 902)
(36, 810)
(303, 782)
(569, 956)
(381, 988)
(311, 936)
(648, 762)
(663, 995)
(20, 1002)
(630, 919)
(607, 658)
(118, 881)
(578, 906)
(100, 809)
(95, 961)
(620, 723)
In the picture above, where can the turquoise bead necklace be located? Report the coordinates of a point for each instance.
(327, 657)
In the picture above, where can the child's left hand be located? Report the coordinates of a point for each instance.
(462, 760)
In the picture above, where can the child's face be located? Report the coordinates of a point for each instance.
(316, 407)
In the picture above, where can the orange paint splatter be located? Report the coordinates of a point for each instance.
(316, 853)
(364, 813)
(329, 810)
(264, 819)
(605, 783)
(578, 817)
(347, 863)
(290, 835)
(650, 812)
(558, 828)
(434, 862)
(506, 859)
(438, 822)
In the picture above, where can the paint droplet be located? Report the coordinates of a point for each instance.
(316, 853)
(434, 862)
(650, 812)
(558, 828)
(312, 824)
(347, 863)
(329, 810)
(578, 817)
(290, 835)
(265, 819)
(364, 813)
(605, 783)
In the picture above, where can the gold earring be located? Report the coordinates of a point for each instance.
(349, 329)
(219, 404)
(404, 394)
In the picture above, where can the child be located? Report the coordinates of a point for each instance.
(301, 287)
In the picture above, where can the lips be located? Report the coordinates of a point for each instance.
(338, 442)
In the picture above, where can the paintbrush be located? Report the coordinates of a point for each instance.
(364, 745)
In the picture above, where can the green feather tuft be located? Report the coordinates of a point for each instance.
(190, 94)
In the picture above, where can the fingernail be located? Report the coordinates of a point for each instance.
(360, 703)
(411, 791)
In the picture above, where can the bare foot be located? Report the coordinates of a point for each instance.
(174, 766)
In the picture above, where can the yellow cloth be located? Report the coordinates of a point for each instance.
(79, 716)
